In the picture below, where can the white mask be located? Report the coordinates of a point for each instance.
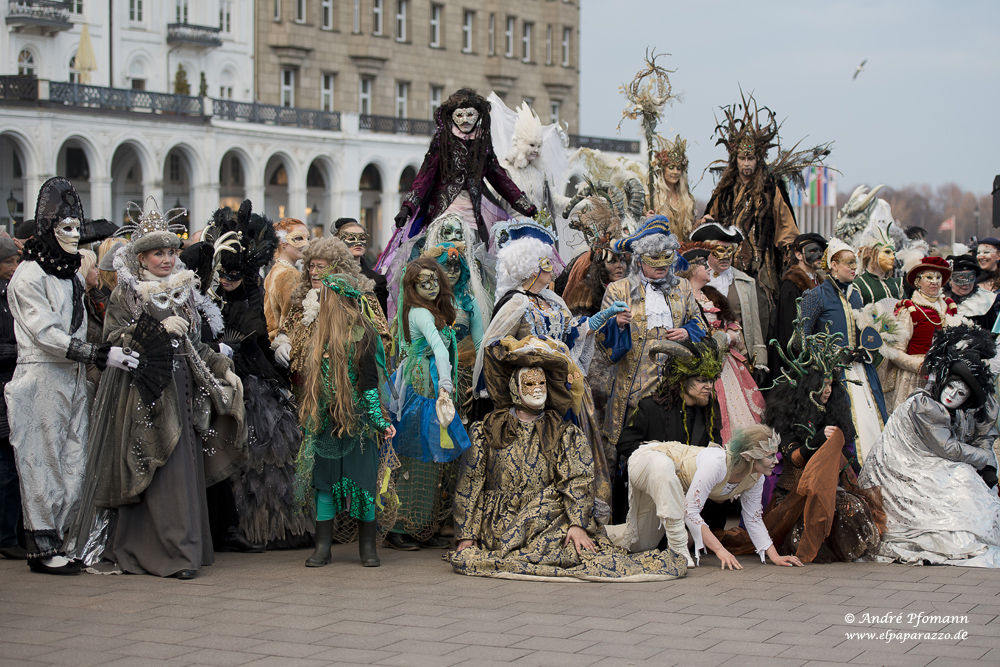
(67, 233)
(465, 119)
(955, 394)
(531, 388)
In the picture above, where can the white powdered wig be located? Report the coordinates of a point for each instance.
(518, 261)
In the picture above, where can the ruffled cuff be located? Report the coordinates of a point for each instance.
(88, 353)
(280, 340)
(373, 406)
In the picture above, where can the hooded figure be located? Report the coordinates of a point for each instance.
(47, 397)
(934, 464)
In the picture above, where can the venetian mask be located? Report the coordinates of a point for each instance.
(954, 394)
(170, 296)
(929, 283)
(452, 231)
(428, 286)
(465, 119)
(886, 259)
(963, 278)
(722, 252)
(453, 269)
(660, 260)
(813, 254)
(531, 388)
(297, 238)
(67, 233)
(354, 239)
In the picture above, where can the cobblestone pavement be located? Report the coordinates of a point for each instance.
(267, 609)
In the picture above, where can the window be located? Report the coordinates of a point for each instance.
(467, 19)
(526, 42)
(357, 17)
(226, 16)
(74, 76)
(402, 93)
(401, 7)
(181, 10)
(300, 11)
(554, 109)
(135, 10)
(76, 6)
(326, 7)
(288, 87)
(226, 92)
(25, 63)
(436, 26)
(175, 168)
(377, 17)
(326, 92)
(365, 96)
(508, 38)
(548, 45)
(435, 99)
(492, 45)
(565, 46)
(277, 10)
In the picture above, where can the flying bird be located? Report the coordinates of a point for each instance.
(859, 69)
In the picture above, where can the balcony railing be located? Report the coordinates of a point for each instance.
(275, 115)
(18, 88)
(607, 145)
(46, 15)
(390, 125)
(197, 35)
(124, 99)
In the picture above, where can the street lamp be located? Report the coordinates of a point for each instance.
(12, 205)
(314, 215)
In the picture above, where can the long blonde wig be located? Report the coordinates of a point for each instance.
(341, 337)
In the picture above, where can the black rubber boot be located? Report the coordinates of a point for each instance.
(366, 544)
(324, 537)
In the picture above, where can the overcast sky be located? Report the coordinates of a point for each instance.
(925, 110)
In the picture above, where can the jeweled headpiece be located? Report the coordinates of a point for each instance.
(150, 229)
(673, 155)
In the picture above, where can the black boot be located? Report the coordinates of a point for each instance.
(324, 537)
(366, 544)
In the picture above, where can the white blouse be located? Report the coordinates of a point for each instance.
(712, 470)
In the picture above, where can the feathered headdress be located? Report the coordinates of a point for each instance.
(599, 224)
(742, 132)
(617, 181)
(964, 351)
(150, 229)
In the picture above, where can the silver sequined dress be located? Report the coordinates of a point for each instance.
(938, 509)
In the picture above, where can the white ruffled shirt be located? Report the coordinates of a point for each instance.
(657, 311)
(722, 281)
(712, 470)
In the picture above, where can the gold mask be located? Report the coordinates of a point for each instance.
(659, 261)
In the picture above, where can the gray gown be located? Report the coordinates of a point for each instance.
(938, 509)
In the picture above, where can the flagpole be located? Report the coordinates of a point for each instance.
(953, 235)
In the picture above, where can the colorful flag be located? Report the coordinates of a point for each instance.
(948, 225)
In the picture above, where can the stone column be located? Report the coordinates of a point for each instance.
(100, 200)
(204, 200)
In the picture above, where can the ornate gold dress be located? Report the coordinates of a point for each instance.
(521, 488)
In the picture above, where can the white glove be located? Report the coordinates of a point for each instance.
(176, 326)
(444, 408)
(282, 354)
(233, 380)
(119, 358)
(226, 350)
